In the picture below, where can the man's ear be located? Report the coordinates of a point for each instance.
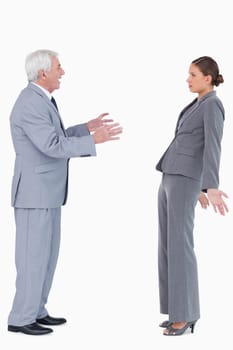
(42, 74)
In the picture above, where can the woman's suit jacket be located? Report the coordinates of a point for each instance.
(43, 148)
(196, 148)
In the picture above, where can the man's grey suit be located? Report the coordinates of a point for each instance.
(189, 165)
(43, 148)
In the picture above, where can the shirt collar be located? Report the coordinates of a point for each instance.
(47, 93)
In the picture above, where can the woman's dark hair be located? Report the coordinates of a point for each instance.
(208, 66)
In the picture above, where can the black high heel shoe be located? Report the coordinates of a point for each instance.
(179, 331)
(165, 324)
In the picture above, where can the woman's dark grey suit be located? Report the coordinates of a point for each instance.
(190, 164)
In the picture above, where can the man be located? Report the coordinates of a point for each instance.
(43, 148)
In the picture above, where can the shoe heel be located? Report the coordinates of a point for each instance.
(13, 328)
(192, 325)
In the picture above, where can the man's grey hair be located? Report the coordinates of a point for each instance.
(37, 60)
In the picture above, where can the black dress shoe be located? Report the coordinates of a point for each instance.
(51, 321)
(32, 329)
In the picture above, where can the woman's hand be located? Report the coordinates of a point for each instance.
(203, 199)
(215, 198)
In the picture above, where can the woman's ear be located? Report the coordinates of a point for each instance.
(208, 79)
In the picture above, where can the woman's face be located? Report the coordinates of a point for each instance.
(198, 82)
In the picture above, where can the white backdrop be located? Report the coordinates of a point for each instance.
(131, 59)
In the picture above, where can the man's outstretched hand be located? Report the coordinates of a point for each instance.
(104, 129)
(98, 122)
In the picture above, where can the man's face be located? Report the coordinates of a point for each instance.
(52, 77)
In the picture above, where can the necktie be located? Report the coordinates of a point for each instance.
(54, 102)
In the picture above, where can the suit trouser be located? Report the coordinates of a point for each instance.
(36, 253)
(178, 277)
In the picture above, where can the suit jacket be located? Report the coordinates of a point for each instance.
(43, 148)
(196, 148)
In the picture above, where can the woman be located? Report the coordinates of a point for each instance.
(190, 168)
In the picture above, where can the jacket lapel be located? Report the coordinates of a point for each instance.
(49, 102)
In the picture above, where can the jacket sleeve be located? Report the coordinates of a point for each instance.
(77, 130)
(39, 128)
(213, 129)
